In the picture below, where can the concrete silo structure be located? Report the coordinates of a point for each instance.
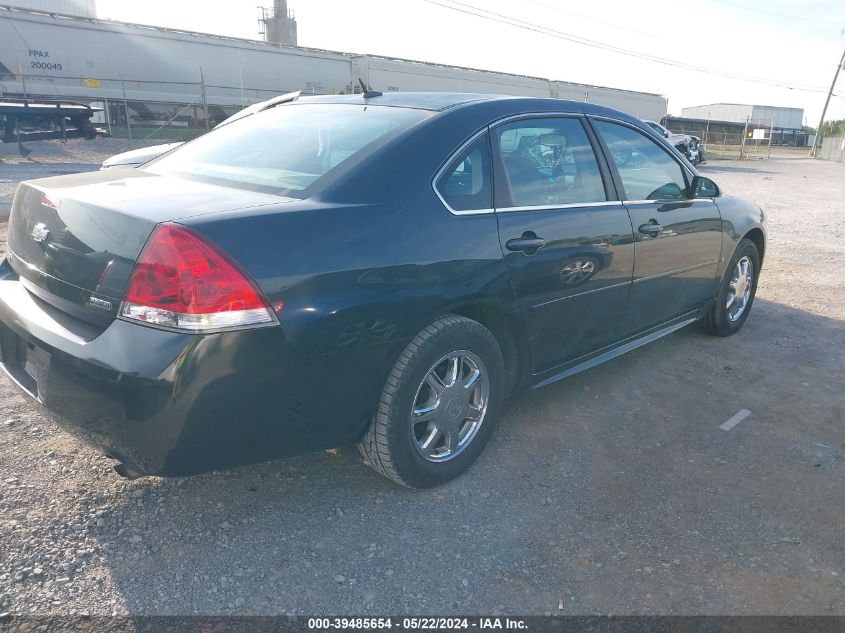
(278, 25)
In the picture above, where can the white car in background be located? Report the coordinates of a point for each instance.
(137, 157)
(690, 146)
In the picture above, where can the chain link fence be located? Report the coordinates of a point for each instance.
(723, 142)
(752, 139)
(193, 112)
(147, 120)
(144, 110)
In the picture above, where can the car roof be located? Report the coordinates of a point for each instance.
(435, 101)
(440, 101)
(466, 113)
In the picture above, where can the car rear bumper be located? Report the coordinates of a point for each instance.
(167, 403)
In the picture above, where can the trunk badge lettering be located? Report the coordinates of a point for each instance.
(101, 304)
(40, 232)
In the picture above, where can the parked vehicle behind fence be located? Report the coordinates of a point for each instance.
(690, 146)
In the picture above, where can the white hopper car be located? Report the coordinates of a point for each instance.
(51, 55)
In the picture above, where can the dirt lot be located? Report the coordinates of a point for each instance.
(54, 158)
(612, 492)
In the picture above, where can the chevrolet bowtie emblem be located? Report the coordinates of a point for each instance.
(40, 232)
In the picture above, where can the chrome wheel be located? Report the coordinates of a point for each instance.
(739, 288)
(577, 271)
(450, 406)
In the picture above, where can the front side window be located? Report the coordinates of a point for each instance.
(547, 162)
(466, 184)
(647, 170)
(291, 150)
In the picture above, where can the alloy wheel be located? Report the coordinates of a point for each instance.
(739, 288)
(450, 406)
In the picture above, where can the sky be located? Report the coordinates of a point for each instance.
(793, 43)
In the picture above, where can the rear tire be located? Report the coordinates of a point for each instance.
(439, 405)
(736, 291)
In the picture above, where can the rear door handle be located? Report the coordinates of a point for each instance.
(650, 228)
(528, 243)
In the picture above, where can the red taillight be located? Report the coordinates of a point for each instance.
(182, 281)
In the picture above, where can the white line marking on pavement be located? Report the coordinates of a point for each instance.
(736, 419)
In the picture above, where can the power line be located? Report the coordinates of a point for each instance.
(780, 15)
(597, 21)
(530, 26)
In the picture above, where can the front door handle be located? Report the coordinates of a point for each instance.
(529, 243)
(651, 227)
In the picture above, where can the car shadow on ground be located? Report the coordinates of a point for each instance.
(614, 491)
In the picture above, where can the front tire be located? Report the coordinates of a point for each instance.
(736, 291)
(439, 405)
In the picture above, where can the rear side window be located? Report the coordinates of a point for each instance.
(466, 183)
(292, 150)
(647, 170)
(547, 162)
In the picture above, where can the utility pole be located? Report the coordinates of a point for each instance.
(826, 102)
(204, 96)
(771, 134)
(126, 110)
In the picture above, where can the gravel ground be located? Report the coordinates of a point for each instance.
(54, 158)
(612, 492)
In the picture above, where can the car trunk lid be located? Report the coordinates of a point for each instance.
(74, 240)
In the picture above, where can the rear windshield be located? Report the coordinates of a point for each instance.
(290, 150)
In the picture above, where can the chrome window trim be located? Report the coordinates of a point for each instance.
(448, 162)
(666, 201)
(548, 207)
(660, 201)
(536, 115)
(554, 207)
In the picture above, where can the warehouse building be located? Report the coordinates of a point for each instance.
(785, 124)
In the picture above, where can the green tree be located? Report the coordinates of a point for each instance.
(833, 128)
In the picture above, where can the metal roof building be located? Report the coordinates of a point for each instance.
(772, 116)
(733, 120)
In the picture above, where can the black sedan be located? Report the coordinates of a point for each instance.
(375, 269)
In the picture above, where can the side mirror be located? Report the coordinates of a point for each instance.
(704, 188)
